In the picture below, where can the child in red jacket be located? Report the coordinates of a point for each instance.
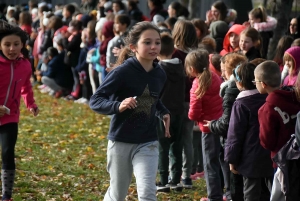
(277, 116)
(206, 104)
(15, 82)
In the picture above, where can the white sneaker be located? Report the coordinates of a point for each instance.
(45, 90)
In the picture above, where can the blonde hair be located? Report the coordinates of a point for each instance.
(199, 61)
(288, 57)
(232, 60)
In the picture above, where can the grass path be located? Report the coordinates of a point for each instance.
(61, 155)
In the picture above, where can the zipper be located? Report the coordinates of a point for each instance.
(16, 82)
(9, 86)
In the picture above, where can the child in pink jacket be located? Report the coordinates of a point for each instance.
(15, 82)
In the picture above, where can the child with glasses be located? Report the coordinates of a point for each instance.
(243, 150)
(277, 116)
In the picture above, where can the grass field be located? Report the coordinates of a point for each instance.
(61, 155)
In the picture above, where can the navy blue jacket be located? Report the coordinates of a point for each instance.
(128, 80)
(60, 72)
(243, 147)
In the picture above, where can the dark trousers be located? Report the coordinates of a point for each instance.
(255, 189)
(225, 174)
(211, 151)
(8, 139)
(236, 187)
(172, 146)
(197, 148)
(87, 87)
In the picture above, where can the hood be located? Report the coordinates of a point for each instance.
(173, 68)
(218, 29)
(285, 100)
(134, 63)
(108, 29)
(237, 29)
(294, 52)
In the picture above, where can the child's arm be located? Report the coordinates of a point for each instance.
(236, 133)
(27, 93)
(100, 102)
(268, 130)
(269, 25)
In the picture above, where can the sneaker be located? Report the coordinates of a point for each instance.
(187, 183)
(162, 188)
(45, 90)
(197, 175)
(41, 86)
(175, 187)
(58, 94)
(204, 199)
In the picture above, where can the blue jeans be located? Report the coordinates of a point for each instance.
(123, 159)
(211, 151)
(187, 138)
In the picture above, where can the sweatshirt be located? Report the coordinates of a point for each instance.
(277, 119)
(129, 80)
(173, 93)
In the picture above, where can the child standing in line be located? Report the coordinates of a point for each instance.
(228, 92)
(250, 43)
(122, 22)
(130, 93)
(185, 40)
(14, 65)
(291, 59)
(243, 150)
(172, 97)
(264, 24)
(206, 104)
(277, 116)
(232, 39)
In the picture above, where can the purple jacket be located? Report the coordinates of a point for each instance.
(243, 147)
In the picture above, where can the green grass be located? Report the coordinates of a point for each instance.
(61, 155)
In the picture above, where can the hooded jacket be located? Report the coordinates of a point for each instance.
(228, 92)
(173, 92)
(218, 30)
(294, 52)
(129, 80)
(243, 148)
(15, 82)
(209, 106)
(237, 29)
(277, 119)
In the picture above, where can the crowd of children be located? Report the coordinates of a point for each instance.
(188, 98)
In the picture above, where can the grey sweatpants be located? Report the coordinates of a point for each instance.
(123, 159)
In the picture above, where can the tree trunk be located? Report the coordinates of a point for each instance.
(282, 25)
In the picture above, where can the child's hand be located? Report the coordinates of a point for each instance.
(166, 120)
(232, 169)
(2, 111)
(34, 111)
(207, 123)
(128, 103)
(247, 24)
(209, 16)
(116, 51)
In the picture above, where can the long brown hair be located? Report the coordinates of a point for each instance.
(184, 35)
(199, 61)
(259, 13)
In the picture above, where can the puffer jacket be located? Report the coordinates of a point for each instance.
(15, 82)
(228, 92)
(209, 106)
